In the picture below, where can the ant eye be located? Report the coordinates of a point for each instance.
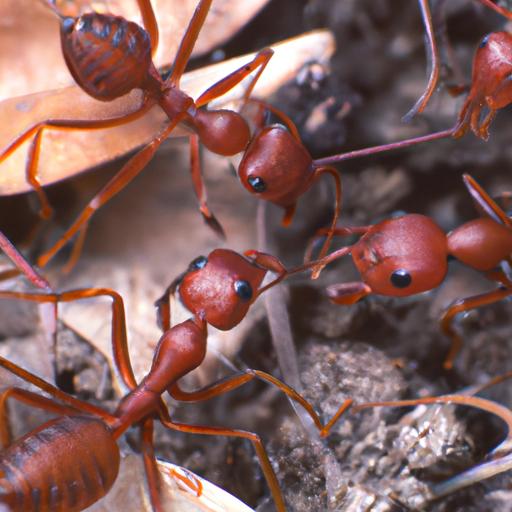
(198, 263)
(243, 289)
(400, 278)
(257, 184)
(484, 41)
(68, 24)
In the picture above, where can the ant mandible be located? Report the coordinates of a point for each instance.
(407, 255)
(81, 444)
(490, 83)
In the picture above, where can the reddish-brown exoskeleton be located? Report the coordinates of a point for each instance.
(407, 255)
(109, 56)
(490, 87)
(79, 448)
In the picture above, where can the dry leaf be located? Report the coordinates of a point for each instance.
(31, 57)
(129, 494)
(64, 154)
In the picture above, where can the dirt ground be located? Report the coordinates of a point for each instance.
(378, 349)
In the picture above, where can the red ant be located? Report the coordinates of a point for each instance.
(490, 85)
(490, 78)
(109, 56)
(408, 255)
(78, 450)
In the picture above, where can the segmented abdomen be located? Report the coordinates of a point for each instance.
(107, 55)
(63, 466)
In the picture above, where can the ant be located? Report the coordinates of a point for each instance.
(490, 87)
(407, 255)
(109, 56)
(72, 461)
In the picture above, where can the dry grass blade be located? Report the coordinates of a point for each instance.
(64, 154)
(31, 54)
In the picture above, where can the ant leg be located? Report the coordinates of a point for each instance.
(252, 437)
(76, 251)
(150, 465)
(471, 401)
(22, 264)
(188, 41)
(200, 189)
(483, 129)
(235, 381)
(483, 470)
(119, 338)
(474, 122)
(463, 120)
(149, 22)
(56, 393)
(163, 304)
(485, 203)
(25, 268)
(500, 277)
(9, 274)
(279, 114)
(235, 77)
(347, 294)
(128, 172)
(500, 10)
(28, 398)
(337, 207)
(36, 132)
(153, 472)
(433, 58)
(32, 178)
(461, 306)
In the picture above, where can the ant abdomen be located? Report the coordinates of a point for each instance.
(65, 465)
(107, 55)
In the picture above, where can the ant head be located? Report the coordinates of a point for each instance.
(492, 69)
(221, 287)
(402, 256)
(276, 167)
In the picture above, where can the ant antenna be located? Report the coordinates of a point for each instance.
(53, 7)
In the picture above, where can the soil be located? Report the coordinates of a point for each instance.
(381, 459)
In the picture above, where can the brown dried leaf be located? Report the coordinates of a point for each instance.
(31, 55)
(66, 153)
(129, 492)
